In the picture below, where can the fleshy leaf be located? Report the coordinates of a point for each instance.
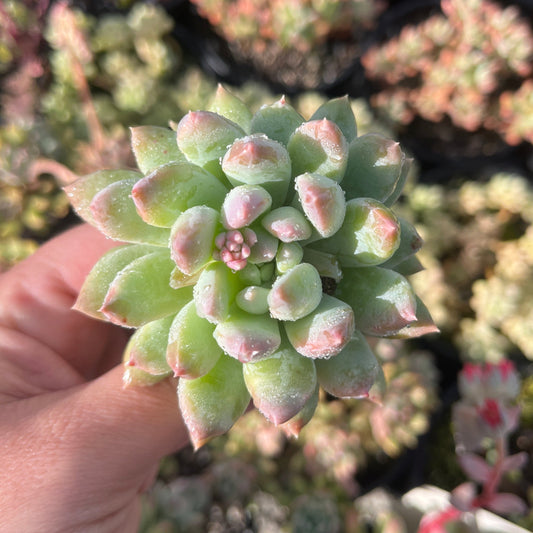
(292, 427)
(228, 105)
(203, 136)
(248, 337)
(211, 404)
(325, 331)
(253, 299)
(81, 192)
(319, 146)
(374, 167)
(258, 160)
(154, 146)
(266, 247)
(215, 292)
(369, 235)
(243, 204)
(114, 214)
(147, 347)
(141, 293)
(192, 238)
(171, 189)
(410, 244)
(296, 293)
(192, 351)
(383, 301)
(423, 325)
(282, 384)
(352, 372)
(339, 110)
(277, 121)
(287, 224)
(289, 254)
(406, 165)
(96, 284)
(326, 264)
(322, 201)
(409, 266)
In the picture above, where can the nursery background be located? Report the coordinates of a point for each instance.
(453, 82)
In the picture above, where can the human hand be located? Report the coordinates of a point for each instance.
(77, 449)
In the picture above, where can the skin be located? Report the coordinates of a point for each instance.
(76, 448)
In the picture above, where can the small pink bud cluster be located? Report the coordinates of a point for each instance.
(233, 247)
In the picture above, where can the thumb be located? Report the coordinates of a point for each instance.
(131, 427)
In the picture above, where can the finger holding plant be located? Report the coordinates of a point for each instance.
(261, 249)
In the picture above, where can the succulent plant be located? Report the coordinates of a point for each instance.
(301, 43)
(455, 65)
(261, 250)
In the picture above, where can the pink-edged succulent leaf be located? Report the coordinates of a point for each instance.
(383, 301)
(326, 264)
(192, 351)
(325, 331)
(319, 146)
(96, 284)
(215, 292)
(115, 215)
(258, 160)
(287, 224)
(369, 235)
(423, 325)
(322, 201)
(288, 256)
(410, 244)
(154, 146)
(294, 426)
(244, 204)
(192, 238)
(228, 105)
(211, 404)
(475, 467)
(296, 293)
(203, 136)
(246, 337)
(147, 347)
(374, 167)
(171, 189)
(253, 299)
(141, 293)
(277, 121)
(339, 110)
(507, 504)
(81, 192)
(351, 373)
(282, 384)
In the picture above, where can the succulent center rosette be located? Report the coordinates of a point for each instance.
(262, 249)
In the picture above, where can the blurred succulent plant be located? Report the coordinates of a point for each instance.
(483, 418)
(477, 255)
(249, 267)
(288, 40)
(455, 64)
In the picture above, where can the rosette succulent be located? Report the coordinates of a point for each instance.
(261, 250)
